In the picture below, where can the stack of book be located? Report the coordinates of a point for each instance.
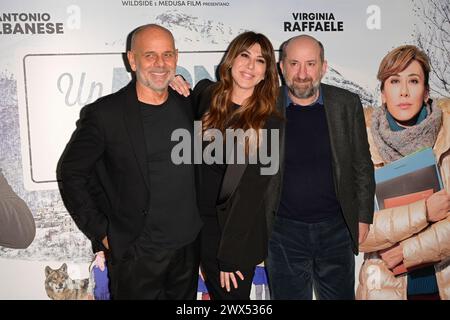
(405, 181)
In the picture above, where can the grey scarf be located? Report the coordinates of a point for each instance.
(394, 145)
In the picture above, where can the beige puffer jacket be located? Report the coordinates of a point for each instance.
(422, 241)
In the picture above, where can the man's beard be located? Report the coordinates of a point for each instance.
(303, 92)
(154, 85)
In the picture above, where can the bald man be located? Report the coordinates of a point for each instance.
(119, 184)
(326, 189)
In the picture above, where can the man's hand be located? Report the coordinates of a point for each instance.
(105, 242)
(180, 85)
(438, 206)
(225, 278)
(363, 232)
(392, 256)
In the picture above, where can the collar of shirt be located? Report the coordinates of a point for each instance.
(288, 100)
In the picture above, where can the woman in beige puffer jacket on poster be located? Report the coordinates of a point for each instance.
(418, 233)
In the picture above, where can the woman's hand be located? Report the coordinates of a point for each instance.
(438, 206)
(100, 260)
(392, 256)
(225, 278)
(180, 85)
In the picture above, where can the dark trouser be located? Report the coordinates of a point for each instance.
(433, 296)
(307, 255)
(157, 274)
(210, 238)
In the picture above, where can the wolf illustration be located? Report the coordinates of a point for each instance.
(60, 287)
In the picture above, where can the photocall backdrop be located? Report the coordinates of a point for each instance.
(57, 56)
